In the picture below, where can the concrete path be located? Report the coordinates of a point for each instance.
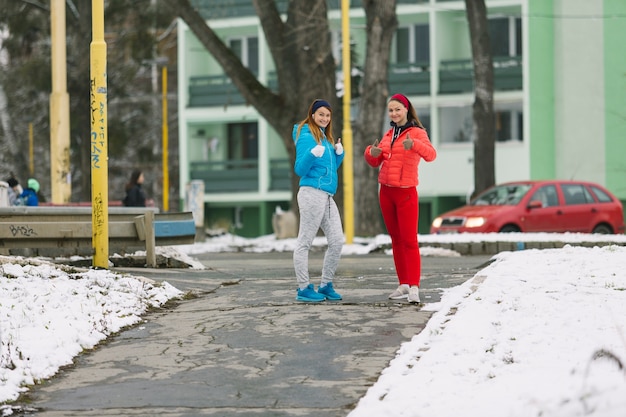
(240, 345)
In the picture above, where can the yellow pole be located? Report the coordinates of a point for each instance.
(31, 151)
(348, 169)
(166, 179)
(60, 174)
(99, 139)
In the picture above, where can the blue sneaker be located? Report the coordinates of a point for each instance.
(329, 292)
(309, 295)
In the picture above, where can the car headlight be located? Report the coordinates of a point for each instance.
(472, 222)
(437, 222)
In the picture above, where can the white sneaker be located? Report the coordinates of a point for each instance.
(400, 293)
(414, 295)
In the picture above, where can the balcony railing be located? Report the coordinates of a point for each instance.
(234, 176)
(213, 90)
(218, 90)
(410, 78)
(457, 76)
(221, 9)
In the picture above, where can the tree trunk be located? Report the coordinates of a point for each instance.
(301, 51)
(483, 111)
(305, 68)
(381, 27)
(133, 135)
(10, 153)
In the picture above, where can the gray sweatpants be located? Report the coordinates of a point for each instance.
(317, 210)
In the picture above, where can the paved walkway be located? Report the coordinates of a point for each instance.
(240, 345)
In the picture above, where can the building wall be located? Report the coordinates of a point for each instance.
(573, 98)
(576, 90)
(614, 114)
(579, 88)
(539, 84)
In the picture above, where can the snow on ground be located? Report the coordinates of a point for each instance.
(538, 332)
(362, 246)
(50, 313)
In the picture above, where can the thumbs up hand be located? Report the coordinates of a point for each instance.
(338, 147)
(407, 143)
(375, 151)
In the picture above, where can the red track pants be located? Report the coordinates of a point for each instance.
(400, 210)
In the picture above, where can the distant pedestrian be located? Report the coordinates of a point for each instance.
(398, 154)
(318, 157)
(29, 195)
(135, 195)
(15, 191)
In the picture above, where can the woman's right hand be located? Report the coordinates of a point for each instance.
(375, 151)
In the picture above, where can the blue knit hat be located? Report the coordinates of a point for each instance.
(319, 103)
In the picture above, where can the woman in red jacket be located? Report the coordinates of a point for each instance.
(398, 154)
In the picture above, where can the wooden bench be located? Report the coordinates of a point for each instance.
(68, 230)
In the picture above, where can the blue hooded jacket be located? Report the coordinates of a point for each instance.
(320, 173)
(29, 197)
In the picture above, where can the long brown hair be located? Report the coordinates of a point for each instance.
(316, 131)
(134, 177)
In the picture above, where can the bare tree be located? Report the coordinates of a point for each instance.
(25, 79)
(483, 111)
(301, 50)
(304, 63)
(381, 26)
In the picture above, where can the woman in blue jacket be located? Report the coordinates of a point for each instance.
(318, 158)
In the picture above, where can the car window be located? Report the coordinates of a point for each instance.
(576, 194)
(601, 195)
(502, 195)
(547, 195)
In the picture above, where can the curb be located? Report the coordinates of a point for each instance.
(493, 248)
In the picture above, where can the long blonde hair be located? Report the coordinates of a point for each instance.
(316, 131)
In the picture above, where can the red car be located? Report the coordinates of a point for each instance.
(537, 206)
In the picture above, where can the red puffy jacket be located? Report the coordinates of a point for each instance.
(398, 167)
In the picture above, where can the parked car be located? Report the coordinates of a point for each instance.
(537, 206)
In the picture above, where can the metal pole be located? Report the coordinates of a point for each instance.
(348, 169)
(31, 151)
(166, 179)
(99, 139)
(60, 173)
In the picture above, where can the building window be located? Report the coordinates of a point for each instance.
(509, 125)
(412, 44)
(457, 123)
(243, 141)
(505, 34)
(247, 49)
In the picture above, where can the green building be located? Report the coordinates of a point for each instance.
(560, 81)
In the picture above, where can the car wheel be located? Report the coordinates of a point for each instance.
(602, 229)
(509, 228)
